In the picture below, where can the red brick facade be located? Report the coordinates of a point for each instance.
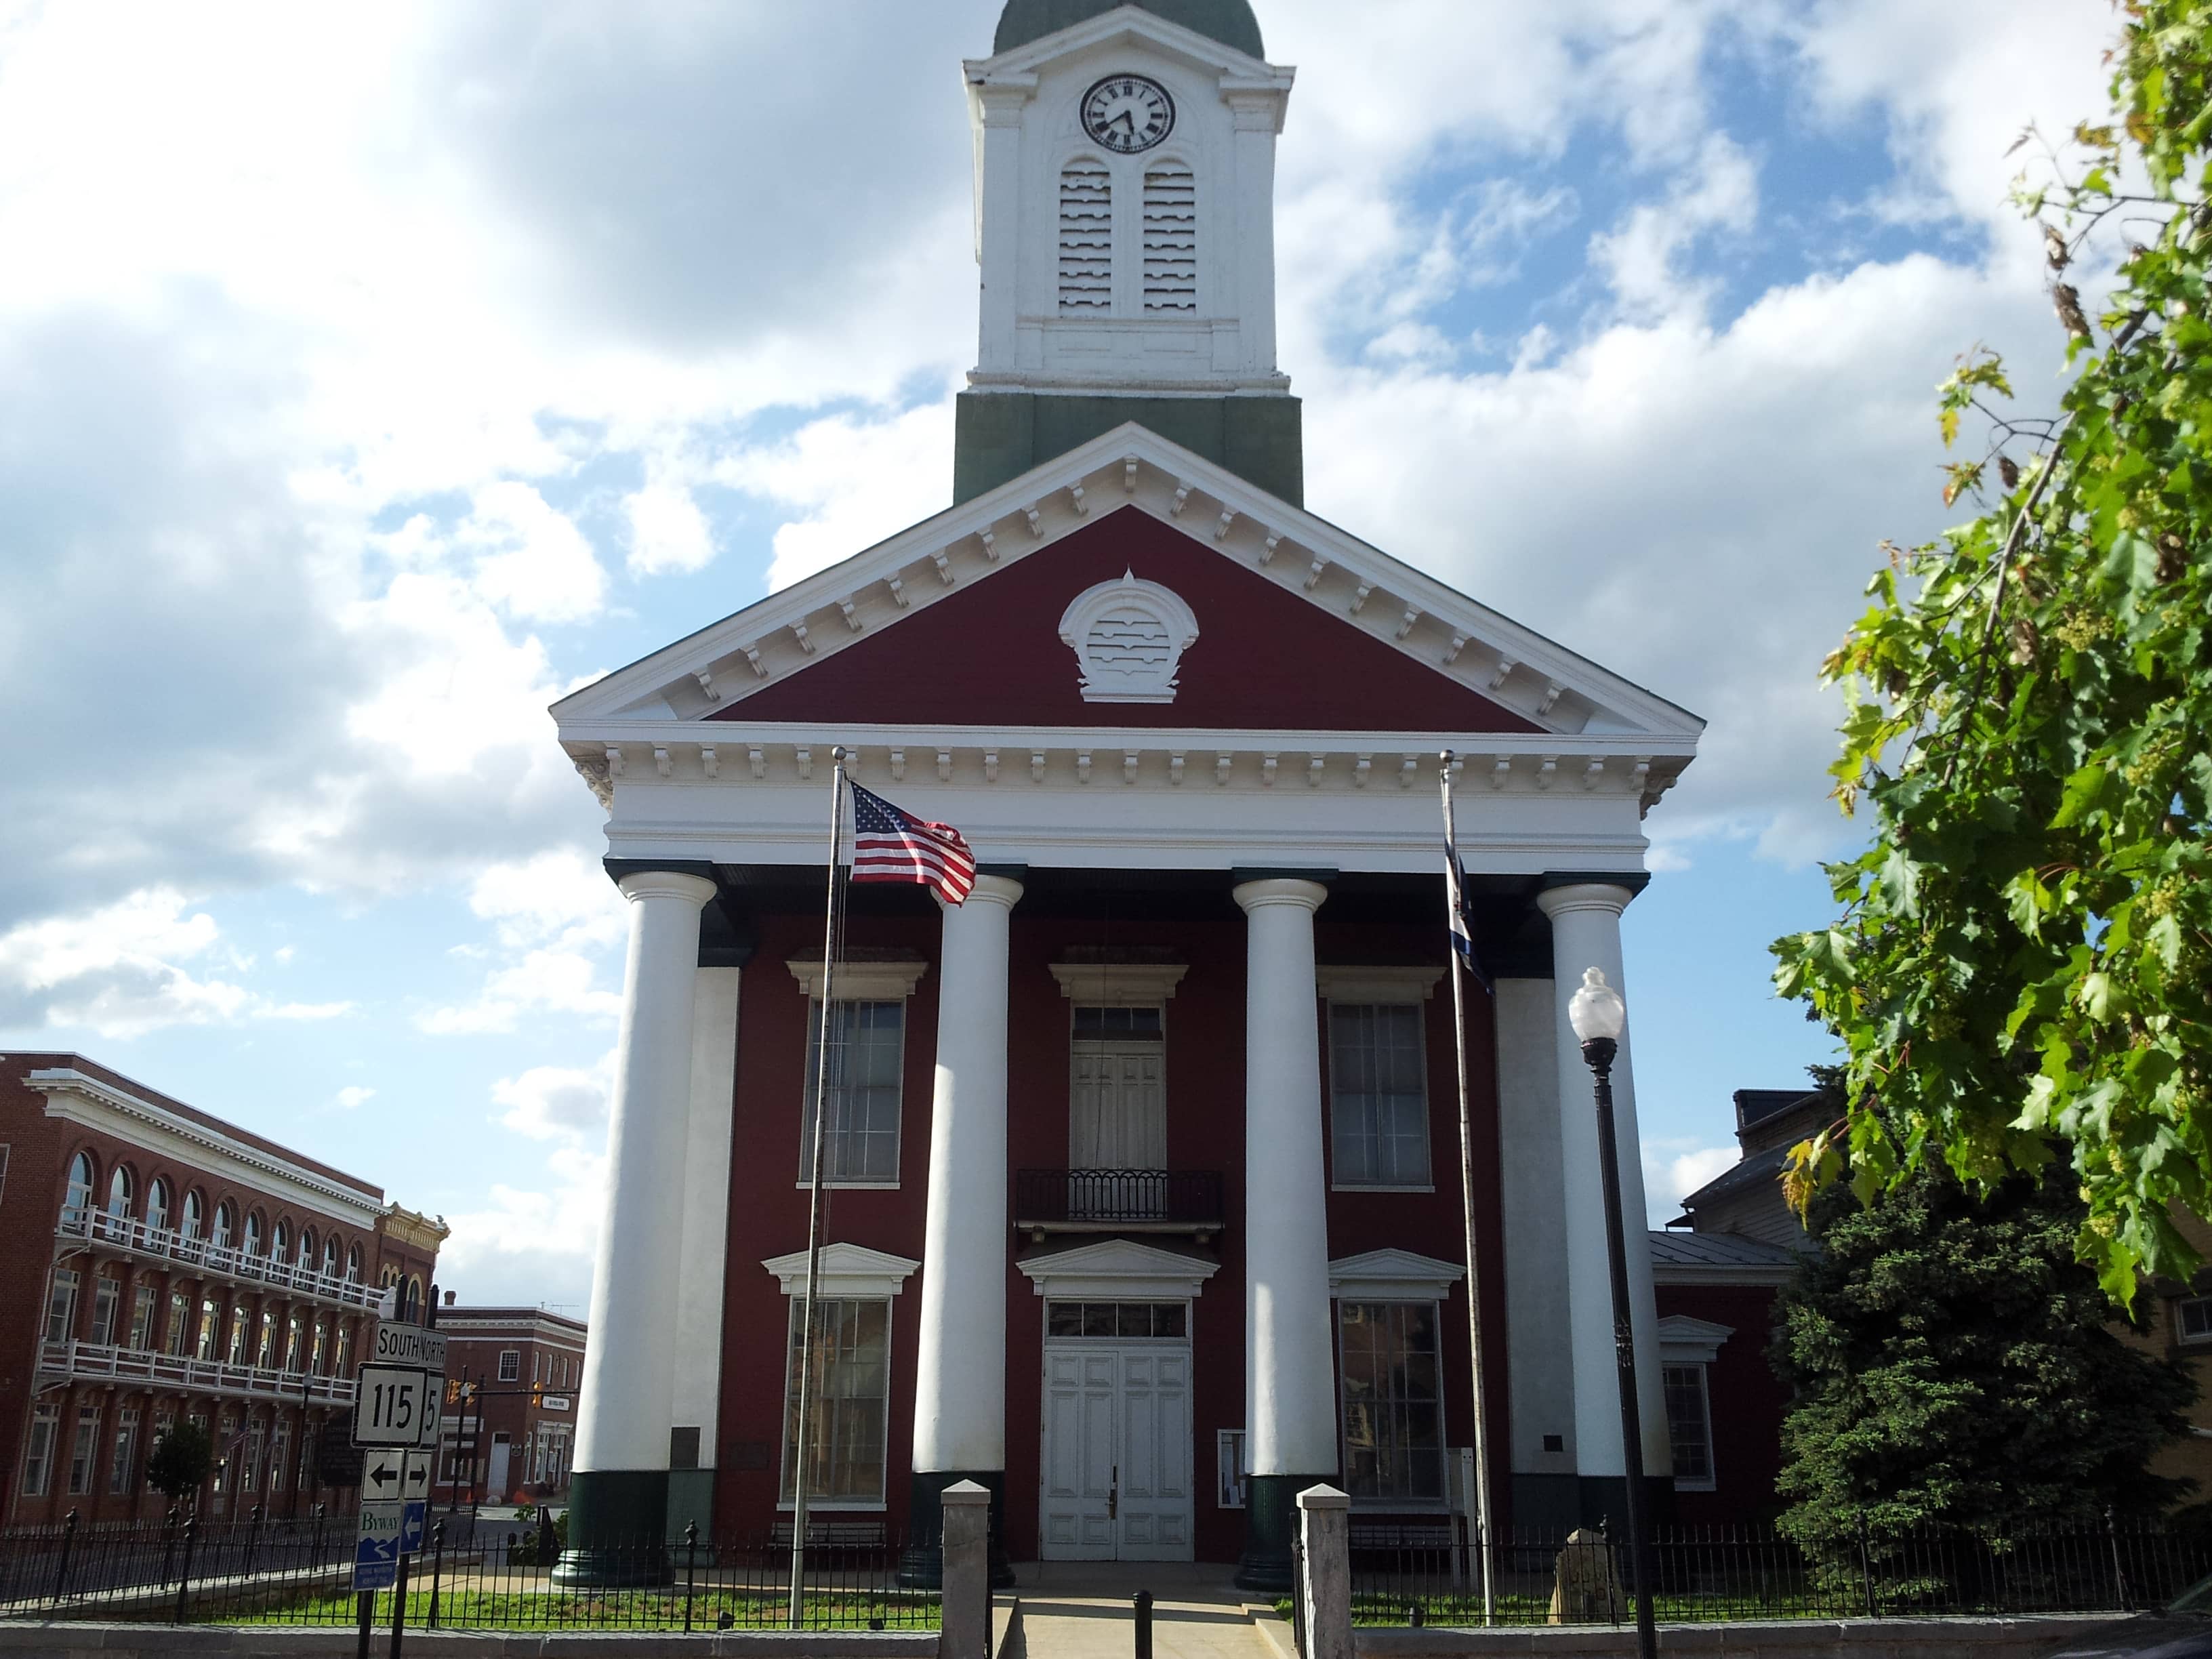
(511, 1377)
(158, 1265)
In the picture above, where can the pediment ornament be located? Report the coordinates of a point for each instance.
(1128, 637)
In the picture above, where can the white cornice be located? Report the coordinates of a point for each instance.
(1364, 588)
(1119, 984)
(1117, 1267)
(1365, 984)
(1392, 1275)
(74, 1097)
(845, 1270)
(860, 981)
(1685, 1341)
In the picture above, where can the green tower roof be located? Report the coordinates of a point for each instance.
(1229, 21)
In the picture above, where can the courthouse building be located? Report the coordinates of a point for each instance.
(158, 1266)
(1144, 1203)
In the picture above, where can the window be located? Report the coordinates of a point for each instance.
(280, 1458)
(157, 1204)
(315, 1356)
(866, 1046)
(1086, 240)
(1378, 1111)
(1393, 1440)
(345, 1352)
(1171, 240)
(225, 1225)
(211, 1328)
(510, 1364)
(353, 1265)
(330, 1256)
(78, 1199)
(293, 1335)
(238, 1319)
(180, 1324)
(1116, 1319)
(280, 1247)
(39, 1450)
(122, 1466)
(118, 1193)
(1689, 1427)
(84, 1451)
(2192, 1318)
(848, 1401)
(143, 1303)
(106, 1307)
(61, 1306)
(249, 1474)
(307, 1248)
(253, 1233)
(194, 1215)
(264, 1351)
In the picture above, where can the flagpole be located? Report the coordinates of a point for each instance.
(1455, 900)
(799, 1457)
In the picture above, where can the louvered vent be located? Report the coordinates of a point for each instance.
(1086, 241)
(1171, 240)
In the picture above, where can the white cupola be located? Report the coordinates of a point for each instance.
(1125, 170)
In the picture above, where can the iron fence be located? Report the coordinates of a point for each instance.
(476, 1575)
(1188, 1197)
(1716, 1574)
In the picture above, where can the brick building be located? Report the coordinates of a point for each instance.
(159, 1265)
(510, 1428)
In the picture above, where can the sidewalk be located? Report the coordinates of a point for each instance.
(1083, 1610)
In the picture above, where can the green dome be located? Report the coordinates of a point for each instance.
(1229, 21)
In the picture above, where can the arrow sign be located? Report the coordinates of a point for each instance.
(415, 1483)
(381, 1478)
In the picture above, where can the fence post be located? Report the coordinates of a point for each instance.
(437, 1569)
(185, 1575)
(1143, 1605)
(252, 1539)
(316, 1560)
(1298, 1601)
(168, 1542)
(61, 1573)
(690, 1569)
(1324, 1580)
(399, 1605)
(966, 1624)
(2111, 1537)
(1866, 1568)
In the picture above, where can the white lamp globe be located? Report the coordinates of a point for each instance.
(1597, 1010)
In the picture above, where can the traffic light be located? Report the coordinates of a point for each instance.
(453, 1391)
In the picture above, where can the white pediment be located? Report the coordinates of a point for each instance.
(1117, 1267)
(1686, 1341)
(714, 671)
(1123, 25)
(845, 1270)
(1392, 1275)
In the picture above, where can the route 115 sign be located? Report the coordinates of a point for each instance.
(396, 1406)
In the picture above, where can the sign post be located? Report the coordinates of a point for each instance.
(399, 1400)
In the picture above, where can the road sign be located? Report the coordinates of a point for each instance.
(414, 1485)
(413, 1521)
(409, 1345)
(434, 1395)
(389, 1406)
(376, 1546)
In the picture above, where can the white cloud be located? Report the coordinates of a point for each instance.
(563, 894)
(306, 1011)
(543, 982)
(1673, 1169)
(667, 531)
(354, 1094)
(1643, 258)
(531, 1245)
(558, 1103)
(531, 560)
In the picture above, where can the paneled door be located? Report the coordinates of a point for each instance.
(1117, 1460)
(1119, 1118)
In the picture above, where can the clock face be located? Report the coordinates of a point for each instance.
(1128, 114)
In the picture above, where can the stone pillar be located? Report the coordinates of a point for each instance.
(1324, 1588)
(1290, 1369)
(619, 1505)
(960, 1368)
(1586, 934)
(696, 1396)
(964, 1631)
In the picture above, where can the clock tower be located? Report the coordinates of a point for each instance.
(1125, 171)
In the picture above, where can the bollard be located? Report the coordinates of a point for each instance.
(1143, 1624)
(1415, 1616)
(437, 1569)
(61, 1573)
(690, 1570)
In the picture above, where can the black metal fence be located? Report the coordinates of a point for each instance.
(1713, 1574)
(478, 1575)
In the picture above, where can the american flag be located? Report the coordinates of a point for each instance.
(889, 845)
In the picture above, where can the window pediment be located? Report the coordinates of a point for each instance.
(860, 982)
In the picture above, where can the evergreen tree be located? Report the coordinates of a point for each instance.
(1953, 1367)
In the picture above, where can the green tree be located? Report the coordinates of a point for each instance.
(2021, 972)
(1952, 1366)
(180, 1461)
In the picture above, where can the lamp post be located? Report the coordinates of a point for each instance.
(1599, 1017)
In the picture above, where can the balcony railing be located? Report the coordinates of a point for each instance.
(136, 1237)
(78, 1360)
(1118, 1200)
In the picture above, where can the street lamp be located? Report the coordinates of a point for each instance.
(1599, 1017)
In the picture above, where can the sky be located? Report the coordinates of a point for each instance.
(370, 376)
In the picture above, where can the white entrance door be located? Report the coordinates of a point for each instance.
(1117, 1458)
(495, 1478)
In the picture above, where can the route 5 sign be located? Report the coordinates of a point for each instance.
(390, 1405)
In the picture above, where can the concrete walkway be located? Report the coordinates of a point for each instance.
(1085, 1610)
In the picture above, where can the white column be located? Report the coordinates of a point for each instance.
(698, 1391)
(998, 222)
(630, 1365)
(960, 1371)
(1290, 1361)
(1539, 1354)
(1586, 934)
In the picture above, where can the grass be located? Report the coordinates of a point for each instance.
(621, 1610)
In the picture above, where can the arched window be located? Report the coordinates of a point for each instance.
(1086, 239)
(353, 1265)
(194, 1215)
(79, 1197)
(307, 1247)
(225, 1225)
(411, 1304)
(157, 1203)
(330, 1256)
(118, 1193)
(253, 1233)
(281, 1243)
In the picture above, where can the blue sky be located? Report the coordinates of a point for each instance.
(377, 374)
